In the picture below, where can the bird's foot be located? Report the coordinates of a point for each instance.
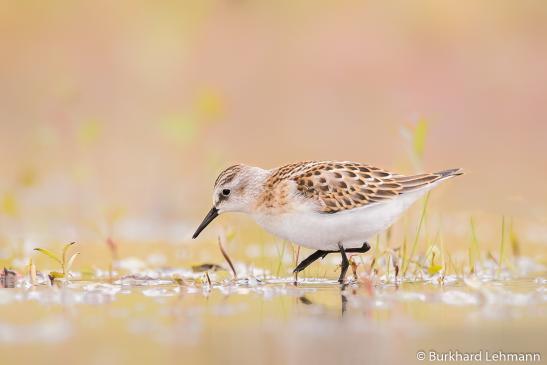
(309, 260)
(320, 254)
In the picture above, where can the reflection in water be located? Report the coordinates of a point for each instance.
(304, 300)
(249, 320)
(343, 298)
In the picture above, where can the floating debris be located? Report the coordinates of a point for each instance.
(207, 267)
(142, 279)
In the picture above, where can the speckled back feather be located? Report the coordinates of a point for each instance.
(340, 186)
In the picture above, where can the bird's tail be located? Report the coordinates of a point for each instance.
(418, 182)
(449, 173)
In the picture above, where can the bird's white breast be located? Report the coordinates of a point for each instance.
(351, 228)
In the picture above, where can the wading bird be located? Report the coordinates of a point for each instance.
(328, 206)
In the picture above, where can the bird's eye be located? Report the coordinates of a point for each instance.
(226, 192)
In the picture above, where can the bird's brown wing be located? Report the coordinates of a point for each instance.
(341, 186)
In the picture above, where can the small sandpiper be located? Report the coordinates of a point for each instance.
(327, 206)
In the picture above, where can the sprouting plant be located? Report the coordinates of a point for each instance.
(32, 272)
(375, 256)
(372, 269)
(416, 238)
(296, 255)
(113, 248)
(433, 252)
(515, 242)
(452, 264)
(443, 261)
(474, 254)
(395, 263)
(433, 266)
(503, 259)
(281, 255)
(388, 262)
(65, 264)
(206, 268)
(354, 264)
(502, 245)
(404, 250)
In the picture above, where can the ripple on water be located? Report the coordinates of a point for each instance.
(47, 330)
(459, 298)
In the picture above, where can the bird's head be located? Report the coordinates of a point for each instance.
(236, 190)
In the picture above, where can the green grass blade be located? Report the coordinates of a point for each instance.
(515, 242)
(475, 251)
(502, 245)
(415, 244)
(49, 254)
(280, 259)
(404, 258)
(56, 275)
(70, 262)
(65, 251)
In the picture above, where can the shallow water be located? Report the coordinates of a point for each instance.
(147, 318)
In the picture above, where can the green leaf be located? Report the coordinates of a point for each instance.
(50, 254)
(206, 267)
(433, 269)
(70, 262)
(56, 275)
(65, 250)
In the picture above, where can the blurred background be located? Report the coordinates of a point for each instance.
(124, 112)
(117, 116)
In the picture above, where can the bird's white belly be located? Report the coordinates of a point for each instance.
(351, 228)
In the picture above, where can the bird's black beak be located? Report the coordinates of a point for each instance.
(213, 213)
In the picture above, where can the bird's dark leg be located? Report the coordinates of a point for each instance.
(309, 260)
(344, 265)
(320, 254)
(361, 249)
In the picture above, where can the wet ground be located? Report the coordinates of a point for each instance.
(178, 316)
